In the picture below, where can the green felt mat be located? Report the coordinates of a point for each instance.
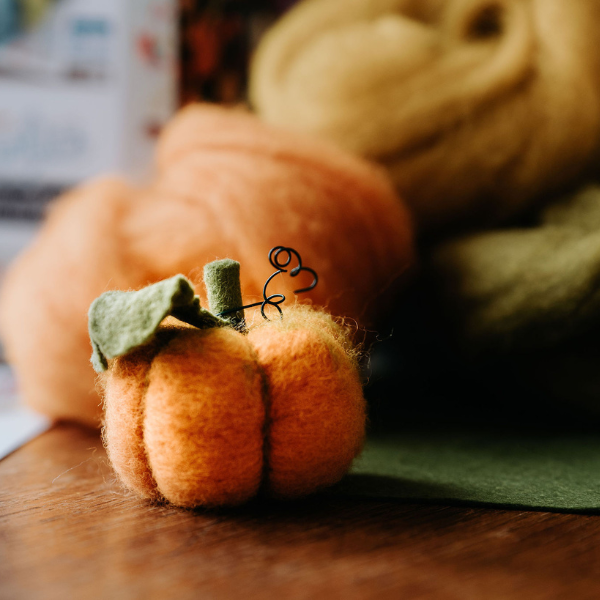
(527, 470)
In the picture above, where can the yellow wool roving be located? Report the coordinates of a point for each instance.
(478, 108)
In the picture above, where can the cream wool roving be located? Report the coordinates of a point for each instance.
(226, 185)
(478, 108)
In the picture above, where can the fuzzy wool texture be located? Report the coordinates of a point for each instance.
(477, 108)
(205, 417)
(47, 292)
(527, 288)
(226, 185)
(316, 406)
(125, 386)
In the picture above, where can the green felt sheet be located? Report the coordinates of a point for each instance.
(494, 468)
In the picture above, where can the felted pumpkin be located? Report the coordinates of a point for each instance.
(201, 414)
(226, 185)
(477, 108)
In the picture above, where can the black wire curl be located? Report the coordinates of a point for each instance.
(279, 264)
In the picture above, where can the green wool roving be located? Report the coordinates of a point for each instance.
(525, 288)
(122, 321)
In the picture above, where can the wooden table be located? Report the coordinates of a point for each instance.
(67, 530)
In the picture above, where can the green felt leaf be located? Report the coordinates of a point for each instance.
(525, 469)
(121, 321)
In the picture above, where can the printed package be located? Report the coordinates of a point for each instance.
(85, 86)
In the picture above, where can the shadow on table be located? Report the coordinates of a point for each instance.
(385, 487)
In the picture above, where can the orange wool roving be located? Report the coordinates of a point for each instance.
(207, 417)
(226, 185)
(46, 294)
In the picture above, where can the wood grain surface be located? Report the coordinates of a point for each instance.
(68, 530)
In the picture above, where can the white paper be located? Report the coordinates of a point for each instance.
(18, 424)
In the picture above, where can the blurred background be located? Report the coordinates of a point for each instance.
(85, 88)
(86, 85)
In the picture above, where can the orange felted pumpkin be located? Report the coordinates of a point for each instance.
(226, 185)
(205, 413)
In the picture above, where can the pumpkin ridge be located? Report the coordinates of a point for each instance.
(204, 421)
(312, 438)
(163, 338)
(146, 354)
(266, 449)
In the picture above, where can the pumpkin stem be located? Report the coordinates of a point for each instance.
(222, 281)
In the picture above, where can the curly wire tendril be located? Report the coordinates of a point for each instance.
(280, 257)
